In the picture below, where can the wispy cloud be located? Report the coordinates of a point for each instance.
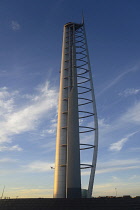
(134, 149)
(129, 119)
(102, 123)
(7, 160)
(51, 129)
(109, 170)
(112, 169)
(6, 101)
(118, 162)
(12, 148)
(135, 177)
(115, 165)
(117, 146)
(15, 25)
(115, 178)
(38, 166)
(29, 192)
(48, 147)
(19, 120)
(118, 78)
(132, 115)
(129, 92)
(104, 126)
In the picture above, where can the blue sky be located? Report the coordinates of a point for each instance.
(30, 56)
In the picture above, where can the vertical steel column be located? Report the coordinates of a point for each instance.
(94, 160)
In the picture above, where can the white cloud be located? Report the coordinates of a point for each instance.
(50, 146)
(118, 78)
(108, 170)
(115, 178)
(51, 128)
(111, 169)
(120, 162)
(135, 177)
(117, 146)
(102, 123)
(134, 149)
(129, 119)
(12, 148)
(6, 101)
(3, 92)
(38, 166)
(132, 115)
(114, 165)
(15, 25)
(129, 92)
(50, 131)
(29, 192)
(117, 165)
(104, 127)
(20, 120)
(7, 160)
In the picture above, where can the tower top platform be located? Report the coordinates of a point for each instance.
(77, 25)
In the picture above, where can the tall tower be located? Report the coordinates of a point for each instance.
(76, 91)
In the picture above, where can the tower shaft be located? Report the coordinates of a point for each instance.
(67, 164)
(76, 104)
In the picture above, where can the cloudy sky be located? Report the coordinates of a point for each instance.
(30, 55)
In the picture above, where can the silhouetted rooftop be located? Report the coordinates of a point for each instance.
(70, 204)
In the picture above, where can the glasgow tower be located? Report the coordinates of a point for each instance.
(77, 116)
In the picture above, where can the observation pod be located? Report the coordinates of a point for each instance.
(77, 115)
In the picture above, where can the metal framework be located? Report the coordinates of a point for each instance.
(76, 113)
